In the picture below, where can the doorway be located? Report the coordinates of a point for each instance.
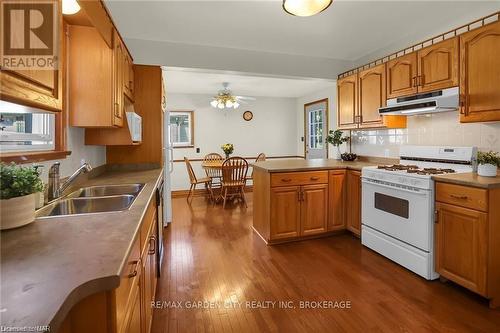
(315, 129)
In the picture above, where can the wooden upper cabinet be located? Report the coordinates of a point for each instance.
(314, 209)
(402, 76)
(347, 102)
(118, 73)
(438, 66)
(480, 74)
(372, 95)
(461, 246)
(41, 89)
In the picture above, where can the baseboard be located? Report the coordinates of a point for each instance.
(200, 192)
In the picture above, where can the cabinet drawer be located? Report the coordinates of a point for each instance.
(464, 196)
(129, 278)
(149, 218)
(299, 178)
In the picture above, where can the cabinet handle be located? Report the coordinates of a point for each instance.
(301, 195)
(414, 79)
(286, 180)
(314, 178)
(152, 250)
(436, 216)
(459, 197)
(134, 272)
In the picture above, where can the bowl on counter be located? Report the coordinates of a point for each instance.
(348, 157)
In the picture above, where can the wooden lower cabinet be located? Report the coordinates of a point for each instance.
(336, 200)
(353, 204)
(285, 212)
(314, 209)
(126, 309)
(467, 240)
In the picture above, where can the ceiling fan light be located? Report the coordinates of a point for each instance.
(220, 106)
(305, 7)
(214, 103)
(236, 105)
(229, 104)
(70, 7)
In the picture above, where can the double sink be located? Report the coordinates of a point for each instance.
(93, 199)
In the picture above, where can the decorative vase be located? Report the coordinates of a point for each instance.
(337, 153)
(487, 170)
(16, 212)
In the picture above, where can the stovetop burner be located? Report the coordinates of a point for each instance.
(415, 169)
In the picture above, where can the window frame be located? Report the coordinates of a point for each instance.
(190, 114)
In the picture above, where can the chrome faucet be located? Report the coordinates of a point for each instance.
(55, 188)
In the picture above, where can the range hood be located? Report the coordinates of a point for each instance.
(432, 102)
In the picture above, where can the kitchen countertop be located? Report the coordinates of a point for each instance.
(469, 179)
(309, 165)
(52, 264)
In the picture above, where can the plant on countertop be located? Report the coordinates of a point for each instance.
(490, 157)
(228, 149)
(335, 138)
(18, 181)
(488, 163)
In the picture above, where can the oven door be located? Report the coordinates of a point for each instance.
(401, 212)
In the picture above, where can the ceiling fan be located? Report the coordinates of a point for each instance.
(226, 100)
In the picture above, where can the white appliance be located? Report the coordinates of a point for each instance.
(397, 209)
(431, 102)
(168, 167)
(134, 126)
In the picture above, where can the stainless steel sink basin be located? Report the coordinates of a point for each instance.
(107, 190)
(74, 206)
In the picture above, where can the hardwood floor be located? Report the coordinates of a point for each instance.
(213, 255)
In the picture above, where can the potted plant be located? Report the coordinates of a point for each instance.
(228, 149)
(336, 139)
(488, 162)
(18, 186)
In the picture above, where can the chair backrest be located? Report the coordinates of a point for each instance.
(213, 172)
(234, 169)
(260, 158)
(192, 175)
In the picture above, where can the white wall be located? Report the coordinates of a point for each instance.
(272, 130)
(95, 155)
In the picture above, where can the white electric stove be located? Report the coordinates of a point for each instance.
(398, 204)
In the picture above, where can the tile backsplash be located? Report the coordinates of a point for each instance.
(442, 129)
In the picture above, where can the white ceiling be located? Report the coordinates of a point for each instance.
(252, 34)
(209, 82)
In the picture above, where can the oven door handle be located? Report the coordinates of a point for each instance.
(420, 191)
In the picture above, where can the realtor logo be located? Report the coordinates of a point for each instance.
(29, 38)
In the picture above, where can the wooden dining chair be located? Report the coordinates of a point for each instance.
(261, 157)
(207, 181)
(234, 173)
(214, 173)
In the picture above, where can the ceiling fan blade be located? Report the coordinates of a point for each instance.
(246, 98)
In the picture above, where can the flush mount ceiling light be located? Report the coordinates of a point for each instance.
(226, 100)
(70, 7)
(305, 7)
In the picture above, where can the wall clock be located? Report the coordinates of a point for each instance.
(247, 115)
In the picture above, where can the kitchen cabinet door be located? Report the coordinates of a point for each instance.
(353, 204)
(372, 95)
(461, 246)
(336, 198)
(402, 76)
(36, 88)
(438, 66)
(285, 212)
(134, 317)
(118, 72)
(314, 209)
(480, 74)
(347, 102)
(147, 295)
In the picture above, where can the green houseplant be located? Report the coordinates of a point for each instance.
(488, 162)
(18, 186)
(228, 149)
(335, 138)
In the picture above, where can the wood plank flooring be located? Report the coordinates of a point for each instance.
(212, 255)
